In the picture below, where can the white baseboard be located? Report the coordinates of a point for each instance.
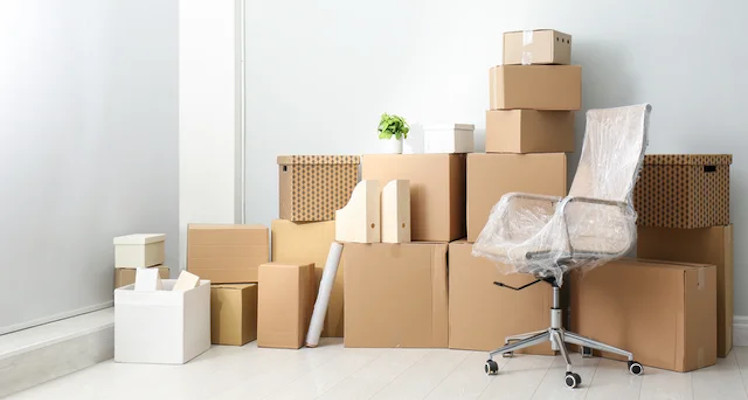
(56, 317)
(740, 330)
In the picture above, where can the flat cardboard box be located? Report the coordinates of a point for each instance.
(437, 190)
(233, 313)
(529, 131)
(661, 311)
(482, 314)
(139, 250)
(305, 243)
(541, 46)
(227, 253)
(705, 245)
(126, 276)
(284, 304)
(490, 176)
(536, 87)
(396, 295)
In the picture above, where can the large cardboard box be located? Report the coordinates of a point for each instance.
(227, 253)
(285, 302)
(661, 311)
(490, 176)
(482, 314)
(126, 276)
(233, 313)
(541, 46)
(305, 243)
(139, 250)
(529, 131)
(437, 190)
(708, 246)
(684, 191)
(536, 87)
(396, 295)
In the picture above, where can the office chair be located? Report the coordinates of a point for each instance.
(547, 236)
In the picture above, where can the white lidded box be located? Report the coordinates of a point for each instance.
(139, 250)
(452, 138)
(161, 326)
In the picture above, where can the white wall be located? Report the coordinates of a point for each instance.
(88, 146)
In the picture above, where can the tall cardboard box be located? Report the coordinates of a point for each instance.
(437, 190)
(661, 311)
(490, 176)
(708, 246)
(126, 276)
(541, 46)
(529, 131)
(396, 295)
(482, 314)
(233, 313)
(305, 243)
(284, 304)
(226, 253)
(536, 87)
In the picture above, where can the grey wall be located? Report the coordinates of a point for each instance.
(88, 146)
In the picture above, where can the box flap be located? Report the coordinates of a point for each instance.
(317, 160)
(140, 238)
(688, 159)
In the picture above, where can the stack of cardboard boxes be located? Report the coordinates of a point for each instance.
(144, 250)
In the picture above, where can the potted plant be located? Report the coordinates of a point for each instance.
(393, 129)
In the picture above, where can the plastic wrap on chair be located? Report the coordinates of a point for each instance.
(547, 236)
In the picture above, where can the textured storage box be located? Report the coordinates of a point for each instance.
(454, 138)
(311, 188)
(529, 131)
(684, 191)
(542, 46)
(536, 87)
(139, 250)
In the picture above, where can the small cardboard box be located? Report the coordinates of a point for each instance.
(536, 87)
(490, 176)
(139, 250)
(163, 326)
(705, 245)
(661, 311)
(529, 131)
(396, 295)
(284, 304)
(126, 276)
(541, 46)
(454, 138)
(309, 242)
(482, 314)
(311, 188)
(437, 190)
(227, 253)
(233, 313)
(685, 191)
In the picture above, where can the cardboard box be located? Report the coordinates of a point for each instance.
(481, 314)
(708, 246)
(396, 295)
(311, 188)
(536, 87)
(541, 46)
(490, 176)
(126, 276)
(437, 190)
(683, 191)
(284, 304)
(529, 131)
(139, 250)
(227, 253)
(164, 326)
(233, 313)
(661, 311)
(304, 243)
(453, 138)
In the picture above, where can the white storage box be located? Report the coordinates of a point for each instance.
(454, 138)
(163, 326)
(139, 250)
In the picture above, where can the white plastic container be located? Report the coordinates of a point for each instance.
(140, 250)
(162, 326)
(453, 138)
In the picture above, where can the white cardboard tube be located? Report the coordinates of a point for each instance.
(323, 297)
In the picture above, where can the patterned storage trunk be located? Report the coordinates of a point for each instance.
(684, 191)
(313, 187)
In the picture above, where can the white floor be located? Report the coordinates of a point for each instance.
(334, 372)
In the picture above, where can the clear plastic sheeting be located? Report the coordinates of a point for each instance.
(596, 223)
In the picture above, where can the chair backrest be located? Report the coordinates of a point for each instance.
(612, 153)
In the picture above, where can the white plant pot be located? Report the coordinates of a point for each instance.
(392, 146)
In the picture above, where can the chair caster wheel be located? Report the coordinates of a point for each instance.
(572, 380)
(635, 368)
(491, 367)
(508, 354)
(586, 352)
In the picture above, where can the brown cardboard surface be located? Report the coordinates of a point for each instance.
(284, 304)
(305, 243)
(708, 246)
(490, 176)
(124, 276)
(541, 46)
(482, 314)
(437, 190)
(396, 295)
(536, 87)
(226, 253)
(233, 313)
(529, 131)
(662, 312)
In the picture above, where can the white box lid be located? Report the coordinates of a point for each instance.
(140, 238)
(449, 127)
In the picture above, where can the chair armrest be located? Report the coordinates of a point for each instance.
(530, 196)
(623, 206)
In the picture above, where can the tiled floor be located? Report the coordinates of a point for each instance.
(334, 372)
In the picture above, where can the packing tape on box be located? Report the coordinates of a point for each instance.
(527, 38)
(323, 297)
